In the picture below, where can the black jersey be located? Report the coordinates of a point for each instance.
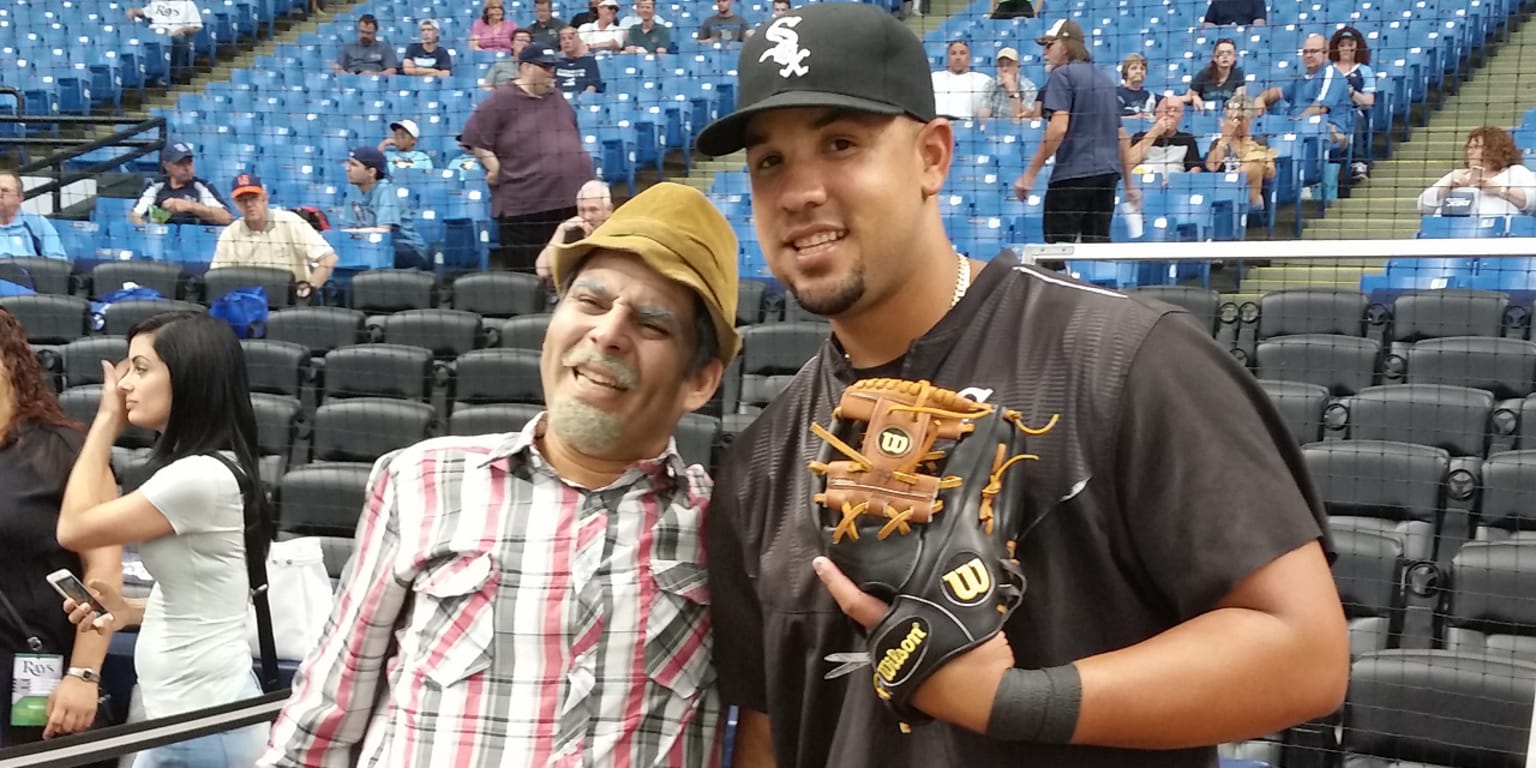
(1167, 479)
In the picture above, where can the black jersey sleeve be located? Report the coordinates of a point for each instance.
(736, 613)
(1211, 484)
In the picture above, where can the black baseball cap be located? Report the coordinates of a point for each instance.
(541, 55)
(850, 55)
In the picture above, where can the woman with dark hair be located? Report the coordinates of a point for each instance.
(1351, 58)
(1220, 80)
(184, 378)
(38, 444)
(1495, 181)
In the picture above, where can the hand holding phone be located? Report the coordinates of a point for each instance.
(70, 588)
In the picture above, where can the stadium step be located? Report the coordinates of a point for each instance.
(1263, 279)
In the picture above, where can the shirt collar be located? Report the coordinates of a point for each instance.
(523, 446)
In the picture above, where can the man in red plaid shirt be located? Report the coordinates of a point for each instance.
(538, 598)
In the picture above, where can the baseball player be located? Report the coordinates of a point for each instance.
(1174, 555)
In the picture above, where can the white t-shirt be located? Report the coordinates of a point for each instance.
(167, 16)
(959, 95)
(1518, 176)
(593, 36)
(192, 650)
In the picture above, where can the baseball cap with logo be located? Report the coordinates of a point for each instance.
(175, 152)
(609, 3)
(1063, 29)
(842, 55)
(247, 184)
(541, 55)
(427, 23)
(1011, 54)
(409, 126)
(676, 231)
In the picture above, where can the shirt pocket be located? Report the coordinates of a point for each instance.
(678, 638)
(453, 629)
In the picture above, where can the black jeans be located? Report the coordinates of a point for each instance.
(1079, 210)
(522, 237)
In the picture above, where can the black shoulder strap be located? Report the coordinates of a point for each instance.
(258, 538)
(37, 242)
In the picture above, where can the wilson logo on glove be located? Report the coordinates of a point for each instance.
(920, 523)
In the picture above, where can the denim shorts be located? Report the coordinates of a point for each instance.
(238, 748)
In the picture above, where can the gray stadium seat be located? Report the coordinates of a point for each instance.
(43, 275)
(1416, 708)
(1508, 497)
(1369, 571)
(277, 367)
(1342, 364)
(378, 370)
(1453, 418)
(166, 279)
(524, 332)
(1298, 311)
(1490, 603)
(323, 499)
(749, 301)
(80, 403)
(696, 436)
(277, 427)
(1300, 406)
(794, 313)
(365, 428)
(381, 291)
(277, 283)
(1387, 488)
(771, 354)
(49, 318)
(492, 418)
(121, 316)
(1505, 367)
(448, 333)
(1447, 312)
(499, 294)
(497, 376)
(1201, 303)
(320, 329)
(82, 358)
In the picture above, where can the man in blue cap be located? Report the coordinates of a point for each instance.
(375, 204)
(179, 196)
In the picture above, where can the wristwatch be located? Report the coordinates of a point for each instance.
(84, 673)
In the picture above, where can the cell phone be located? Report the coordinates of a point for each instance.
(70, 586)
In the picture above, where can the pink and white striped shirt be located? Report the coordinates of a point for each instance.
(496, 615)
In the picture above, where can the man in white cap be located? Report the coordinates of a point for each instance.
(427, 58)
(1010, 95)
(400, 149)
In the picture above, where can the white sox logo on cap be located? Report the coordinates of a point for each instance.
(786, 51)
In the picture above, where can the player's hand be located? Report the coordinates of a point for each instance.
(960, 692)
(111, 411)
(1024, 184)
(86, 619)
(71, 707)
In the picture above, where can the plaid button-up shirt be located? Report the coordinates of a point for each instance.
(495, 615)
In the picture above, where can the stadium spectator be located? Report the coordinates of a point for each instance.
(466, 160)
(1222, 13)
(1218, 81)
(781, 7)
(38, 445)
(1351, 56)
(374, 204)
(960, 91)
(525, 135)
(493, 30)
(1092, 149)
(269, 237)
(427, 58)
(369, 54)
(1010, 95)
(605, 34)
(1237, 150)
(178, 20)
(1318, 90)
(1164, 148)
(1015, 9)
(546, 26)
(635, 18)
(185, 379)
(1135, 101)
(725, 26)
(576, 70)
(179, 196)
(505, 70)
(400, 149)
(22, 233)
(580, 635)
(594, 204)
(585, 17)
(650, 35)
(1495, 181)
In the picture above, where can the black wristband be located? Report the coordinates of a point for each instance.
(1038, 705)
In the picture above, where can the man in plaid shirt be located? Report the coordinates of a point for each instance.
(538, 598)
